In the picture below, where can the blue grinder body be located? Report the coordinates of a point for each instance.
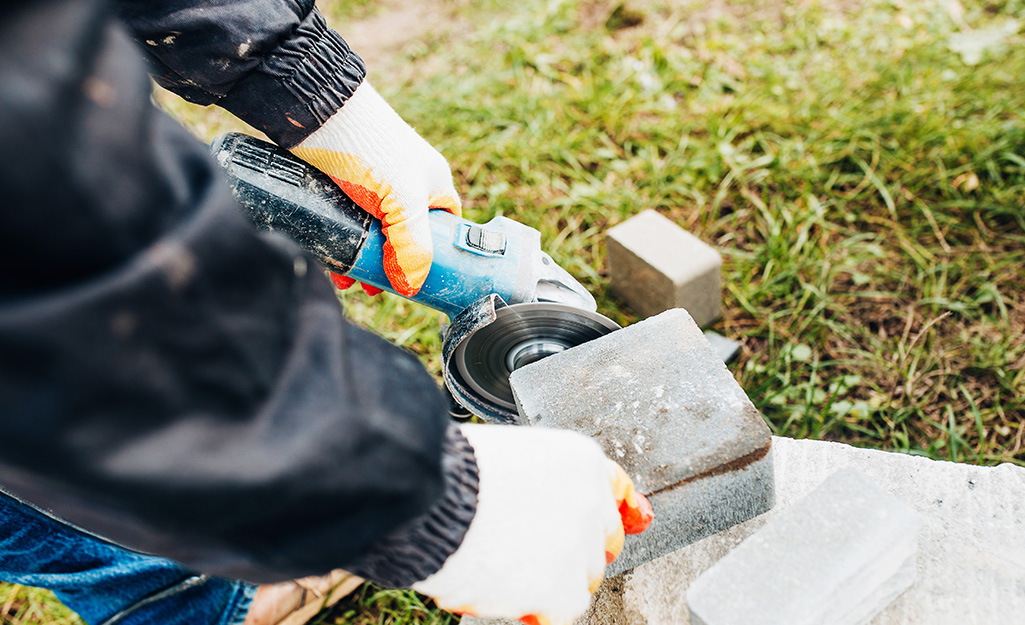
(279, 192)
(508, 301)
(464, 270)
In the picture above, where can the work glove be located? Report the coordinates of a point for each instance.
(551, 512)
(389, 171)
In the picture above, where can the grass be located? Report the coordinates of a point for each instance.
(861, 167)
(23, 605)
(374, 606)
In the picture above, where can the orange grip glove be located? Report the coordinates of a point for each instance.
(634, 508)
(344, 282)
(635, 513)
(550, 515)
(389, 171)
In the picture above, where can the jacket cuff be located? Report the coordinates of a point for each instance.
(419, 549)
(299, 85)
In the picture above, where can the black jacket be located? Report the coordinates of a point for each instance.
(168, 377)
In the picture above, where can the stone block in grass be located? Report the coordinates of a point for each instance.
(656, 265)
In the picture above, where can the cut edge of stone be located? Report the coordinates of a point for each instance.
(756, 479)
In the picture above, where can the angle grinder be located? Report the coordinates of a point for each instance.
(509, 303)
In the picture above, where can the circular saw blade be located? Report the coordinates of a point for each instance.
(519, 335)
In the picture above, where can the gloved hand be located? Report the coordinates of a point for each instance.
(391, 172)
(550, 514)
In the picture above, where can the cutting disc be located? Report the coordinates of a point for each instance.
(519, 335)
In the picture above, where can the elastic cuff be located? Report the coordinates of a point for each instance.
(418, 550)
(288, 99)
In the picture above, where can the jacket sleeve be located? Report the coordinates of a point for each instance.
(273, 63)
(170, 378)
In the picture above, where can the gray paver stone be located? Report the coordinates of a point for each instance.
(971, 543)
(838, 556)
(660, 401)
(656, 265)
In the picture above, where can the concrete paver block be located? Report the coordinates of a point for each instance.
(655, 265)
(660, 401)
(971, 542)
(838, 556)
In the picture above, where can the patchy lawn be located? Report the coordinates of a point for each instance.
(861, 167)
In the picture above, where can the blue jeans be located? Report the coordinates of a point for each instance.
(105, 583)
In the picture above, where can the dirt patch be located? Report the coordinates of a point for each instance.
(387, 40)
(400, 34)
(625, 18)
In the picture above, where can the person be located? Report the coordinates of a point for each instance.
(184, 405)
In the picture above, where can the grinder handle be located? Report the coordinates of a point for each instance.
(279, 192)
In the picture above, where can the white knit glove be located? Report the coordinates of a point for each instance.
(548, 520)
(389, 171)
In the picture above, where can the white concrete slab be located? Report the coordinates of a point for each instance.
(971, 542)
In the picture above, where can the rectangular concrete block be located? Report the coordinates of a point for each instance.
(971, 543)
(660, 401)
(839, 556)
(655, 265)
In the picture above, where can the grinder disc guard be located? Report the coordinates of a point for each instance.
(514, 336)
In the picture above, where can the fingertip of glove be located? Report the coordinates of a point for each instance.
(401, 284)
(407, 262)
(406, 281)
(636, 518)
(340, 281)
(446, 202)
(345, 282)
